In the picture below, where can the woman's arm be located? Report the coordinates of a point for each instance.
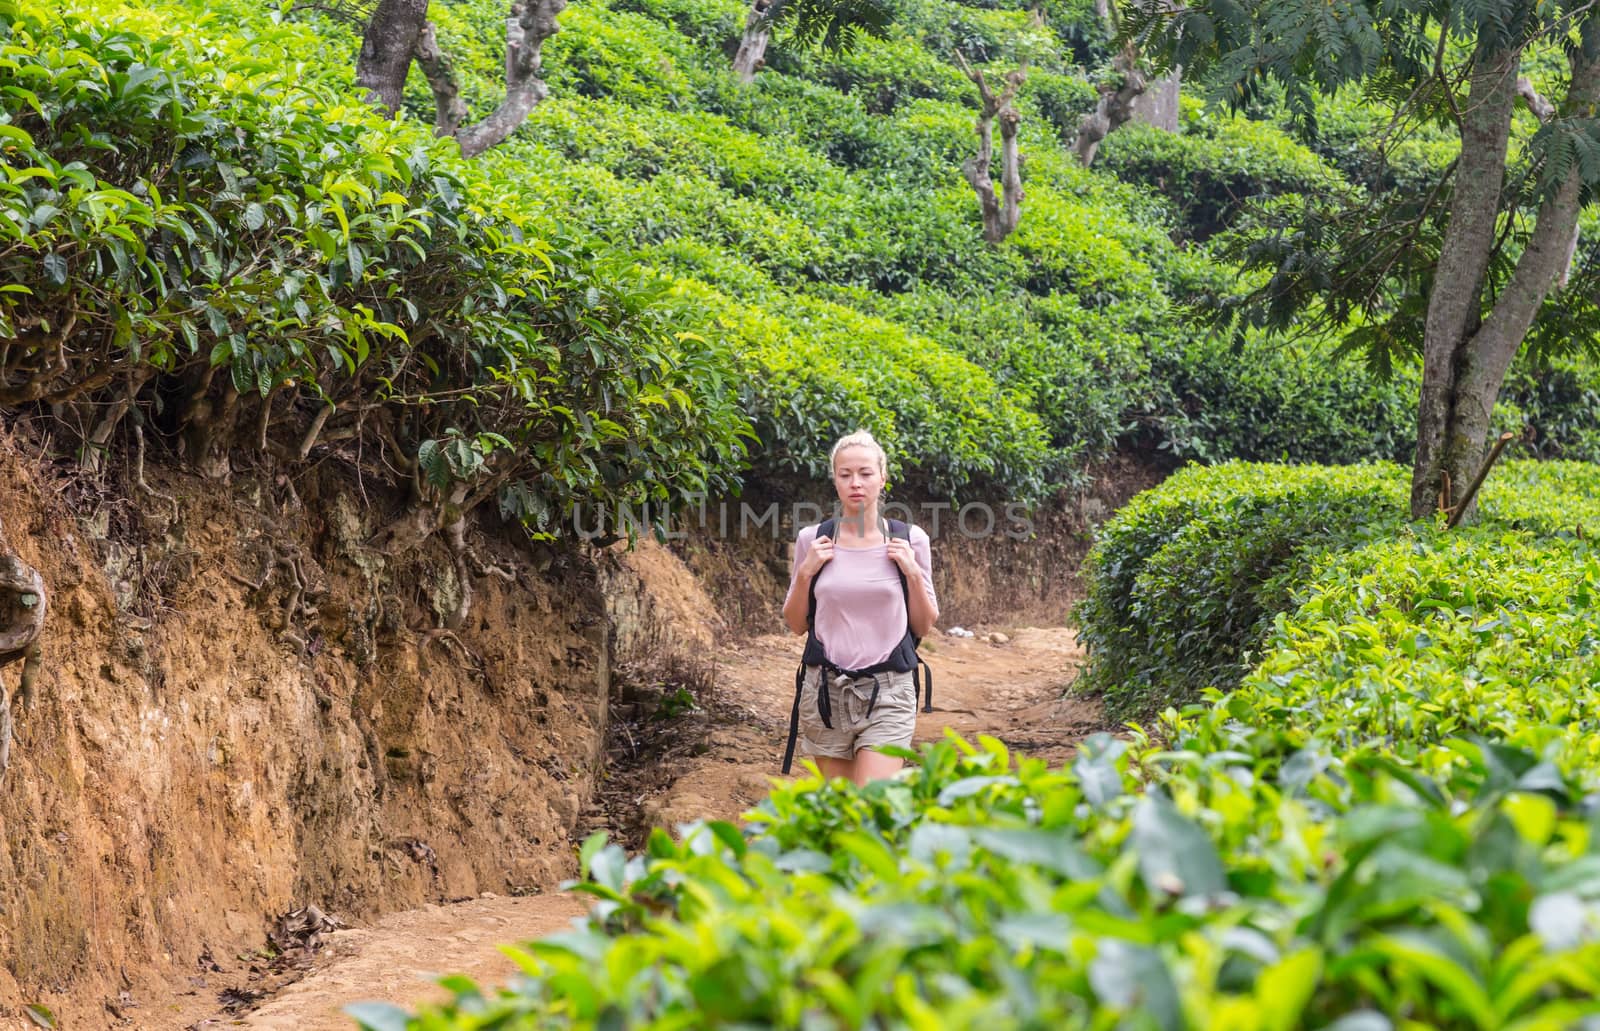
(809, 556)
(916, 562)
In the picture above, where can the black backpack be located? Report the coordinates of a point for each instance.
(903, 659)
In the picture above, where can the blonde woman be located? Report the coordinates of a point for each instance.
(861, 590)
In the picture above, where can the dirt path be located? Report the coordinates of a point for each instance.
(713, 762)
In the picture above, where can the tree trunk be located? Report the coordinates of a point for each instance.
(753, 48)
(400, 32)
(1010, 176)
(386, 50)
(1158, 105)
(1486, 354)
(449, 110)
(1115, 106)
(1454, 306)
(529, 24)
(1002, 213)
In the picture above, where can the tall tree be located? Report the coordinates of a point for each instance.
(831, 25)
(1464, 272)
(399, 32)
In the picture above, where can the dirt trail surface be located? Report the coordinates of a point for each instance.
(712, 762)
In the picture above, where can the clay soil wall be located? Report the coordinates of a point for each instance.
(244, 709)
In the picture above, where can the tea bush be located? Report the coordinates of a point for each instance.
(1406, 644)
(1186, 579)
(1269, 400)
(1216, 164)
(1183, 585)
(831, 180)
(1346, 893)
(836, 178)
(204, 218)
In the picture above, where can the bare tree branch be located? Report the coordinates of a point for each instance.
(529, 24)
(1003, 211)
(438, 68)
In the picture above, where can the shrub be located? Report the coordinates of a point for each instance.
(1185, 581)
(713, 24)
(980, 892)
(815, 371)
(1215, 165)
(1558, 407)
(1184, 584)
(1406, 644)
(1061, 100)
(1081, 371)
(1273, 400)
(206, 220)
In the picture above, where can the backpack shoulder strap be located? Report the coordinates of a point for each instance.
(901, 531)
(826, 528)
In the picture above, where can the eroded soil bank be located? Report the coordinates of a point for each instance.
(245, 709)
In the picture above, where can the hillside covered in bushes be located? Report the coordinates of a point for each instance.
(665, 275)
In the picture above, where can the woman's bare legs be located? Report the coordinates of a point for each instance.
(832, 767)
(867, 765)
(870, 765)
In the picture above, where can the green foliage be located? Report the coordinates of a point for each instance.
(834, 26)
(1363, 260)
(1270, 400)
(821, 202)
(1557, 404)
(196, 216)
(982, 891)
(1185, 581)
(1409, 643)
(817, 370)
(1061, 100)
(1215, 165)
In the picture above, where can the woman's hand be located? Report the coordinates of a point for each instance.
(817, 556)
(900, 554)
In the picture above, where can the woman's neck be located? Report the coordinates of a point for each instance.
(861, 524)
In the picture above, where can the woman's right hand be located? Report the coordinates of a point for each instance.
(817, 556)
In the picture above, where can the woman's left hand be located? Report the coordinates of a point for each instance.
(901, 554)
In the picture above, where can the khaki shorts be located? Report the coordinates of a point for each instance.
(893, 720)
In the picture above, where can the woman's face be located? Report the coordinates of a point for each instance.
(857, 478)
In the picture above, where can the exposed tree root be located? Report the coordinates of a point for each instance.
(22, 609)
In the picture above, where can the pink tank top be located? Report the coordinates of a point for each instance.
(861, 613)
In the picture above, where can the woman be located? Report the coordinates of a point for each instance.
(857, 677)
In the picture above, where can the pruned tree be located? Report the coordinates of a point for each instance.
(1003, 210)
(398, 32)
(1466, 272)
(1118, 96)
(1129, 92)
(831, 25)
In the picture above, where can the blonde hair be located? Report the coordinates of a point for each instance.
(863, 439)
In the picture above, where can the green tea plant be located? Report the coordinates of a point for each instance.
(1216, 165)
(204, 238)
(1186, 579)
(981, 890)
